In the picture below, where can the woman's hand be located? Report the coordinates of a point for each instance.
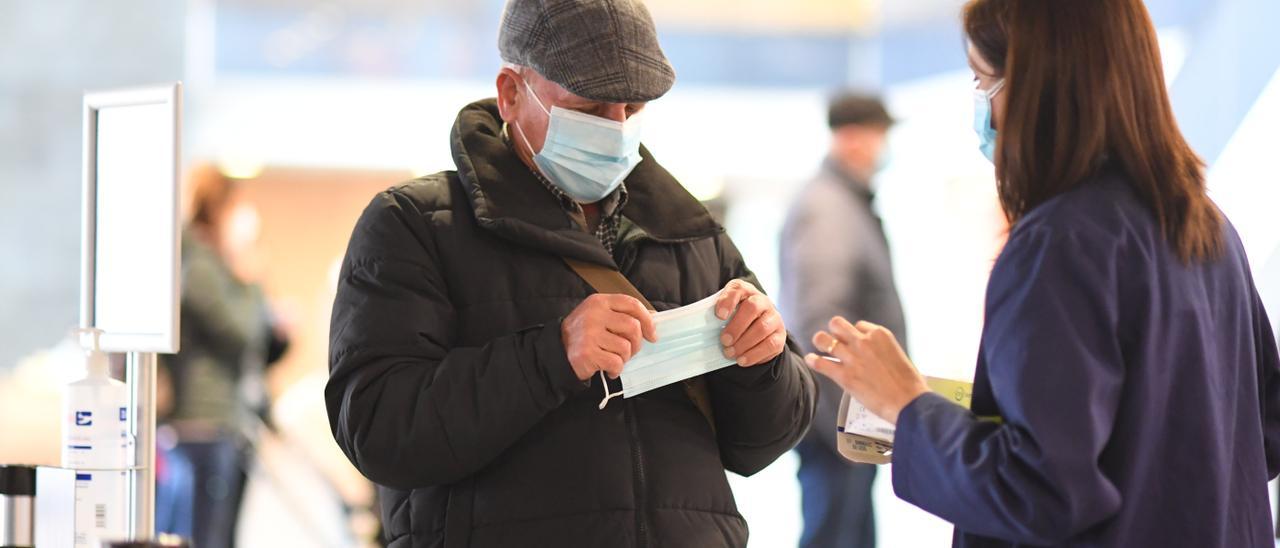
(872, 367)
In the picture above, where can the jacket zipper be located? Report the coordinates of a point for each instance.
(637, 464)
(624, 255)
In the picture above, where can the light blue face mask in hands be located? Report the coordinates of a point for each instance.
(688, 345)
(982, 119)
(585, 156)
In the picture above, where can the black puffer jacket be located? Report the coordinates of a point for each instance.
(450, 387)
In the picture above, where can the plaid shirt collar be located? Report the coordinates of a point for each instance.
(610, 207)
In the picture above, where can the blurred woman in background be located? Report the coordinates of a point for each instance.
(1126, 353)
(228, 337)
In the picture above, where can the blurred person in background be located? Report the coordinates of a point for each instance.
(468, 359)
(175, 475)
(228, 337)
(835, 262)
(1128, 385)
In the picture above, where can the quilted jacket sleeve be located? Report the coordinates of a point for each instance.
(408, 407)
(761, 412)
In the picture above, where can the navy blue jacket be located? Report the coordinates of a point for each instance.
(1139, 397)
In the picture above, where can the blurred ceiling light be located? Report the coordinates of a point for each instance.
(284, 47)
(920, 12)
(770, 15)
(308, 34)
(240, 168)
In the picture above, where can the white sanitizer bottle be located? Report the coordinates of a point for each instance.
(96, 444)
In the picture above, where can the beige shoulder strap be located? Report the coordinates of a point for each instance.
(609, 281)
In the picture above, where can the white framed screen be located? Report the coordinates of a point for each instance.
(131, 258)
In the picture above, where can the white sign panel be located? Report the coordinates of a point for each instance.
(131, 237)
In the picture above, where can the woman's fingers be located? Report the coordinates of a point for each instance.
(824, 342)
(844, 373)
(827, 367)
(845, 331)
(842, 340)
(866, 327)
(874, 367)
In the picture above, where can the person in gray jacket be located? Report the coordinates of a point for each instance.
(852, 279)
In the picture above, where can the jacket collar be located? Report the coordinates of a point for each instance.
(508, 201)
(857, 185)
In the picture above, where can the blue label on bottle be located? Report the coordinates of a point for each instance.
(84, 477)
(84, 418)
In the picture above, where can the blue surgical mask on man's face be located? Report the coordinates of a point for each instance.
(585, 156)
(982, 119)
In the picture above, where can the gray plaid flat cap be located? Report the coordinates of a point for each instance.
(602, 50)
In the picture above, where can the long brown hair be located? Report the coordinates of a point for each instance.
(1085, 83)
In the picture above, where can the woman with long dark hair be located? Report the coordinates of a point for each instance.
(1127, 390)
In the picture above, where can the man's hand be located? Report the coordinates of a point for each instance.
(755, 334)
(604, 332)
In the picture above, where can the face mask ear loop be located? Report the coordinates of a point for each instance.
(535, 96)
(607, 396)
(995, 90)
(527, 144)
(991, 95)
(519, 129)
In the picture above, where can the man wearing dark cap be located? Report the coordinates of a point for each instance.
(835, 262)
(482, 314)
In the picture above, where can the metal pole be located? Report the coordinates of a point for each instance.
(141, 375)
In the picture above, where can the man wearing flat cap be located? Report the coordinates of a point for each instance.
(482, 314)
(835, 262)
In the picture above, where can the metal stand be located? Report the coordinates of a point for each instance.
(130, 222)
(141, 376)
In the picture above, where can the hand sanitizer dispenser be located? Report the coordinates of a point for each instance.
(96, 444)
